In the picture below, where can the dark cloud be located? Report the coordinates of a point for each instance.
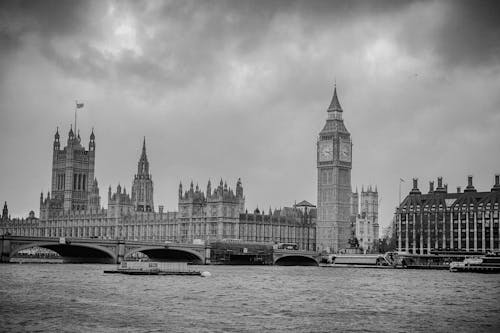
(49, 18)
(471, 33)
(458, 33)
(240, 89)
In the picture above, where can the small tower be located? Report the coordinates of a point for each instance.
(57, 143)
(72, 175)
(355, 203)
(142, 187)
(239, 188)
(5, 212)
(209, 189)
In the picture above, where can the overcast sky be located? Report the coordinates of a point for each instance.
(240, 89)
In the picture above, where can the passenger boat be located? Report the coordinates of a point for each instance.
(155, 268)
(358, 260)
(485, 264)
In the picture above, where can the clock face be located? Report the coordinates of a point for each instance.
(325, 151)
(345, 151)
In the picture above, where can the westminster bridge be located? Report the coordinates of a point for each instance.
(113, 251)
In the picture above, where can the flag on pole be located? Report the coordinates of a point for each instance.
(79, 105)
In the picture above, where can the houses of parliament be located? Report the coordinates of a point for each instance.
(73, 207)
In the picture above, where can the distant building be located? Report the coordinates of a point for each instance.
(19, 226)
(220, 214)
(465, 221)
(365, 214)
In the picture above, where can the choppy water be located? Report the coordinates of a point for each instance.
(81, 298)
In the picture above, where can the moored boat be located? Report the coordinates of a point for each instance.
(485, 264)
(154, 268)
(358, 260)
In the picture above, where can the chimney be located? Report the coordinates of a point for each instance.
(445, 188)
(431, 187)
(470, 187)
(440, 188)
(415, 189)
(459, 189)
(496, 187)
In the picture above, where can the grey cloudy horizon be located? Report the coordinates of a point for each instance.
(229, 89)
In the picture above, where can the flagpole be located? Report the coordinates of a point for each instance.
(400, 181)
(76, 107)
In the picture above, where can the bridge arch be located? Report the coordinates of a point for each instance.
(74, 252)
(170, 253)
(295, 260)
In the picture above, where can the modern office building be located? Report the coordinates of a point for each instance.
(464, 221)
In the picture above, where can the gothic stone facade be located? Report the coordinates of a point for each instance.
(465, 221)
(73, 209)
(365, 217)
(334, 163)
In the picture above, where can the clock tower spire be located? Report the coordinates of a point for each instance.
(334, 163)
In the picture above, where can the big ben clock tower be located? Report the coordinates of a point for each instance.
(334, 161)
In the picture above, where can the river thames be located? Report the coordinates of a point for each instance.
(81, 298)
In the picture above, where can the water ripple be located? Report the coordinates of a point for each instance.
(80, 298)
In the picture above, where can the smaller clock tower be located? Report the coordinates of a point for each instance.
(334, 162)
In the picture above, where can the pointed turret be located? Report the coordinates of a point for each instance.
(71, 135)
(335, 104)
(5, 212)
(180, 190)
(143, 165)
(92, 141)
(239, 188)
(57, 143)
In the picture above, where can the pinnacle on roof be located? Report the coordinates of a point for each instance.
(334, 104)
(143, 154)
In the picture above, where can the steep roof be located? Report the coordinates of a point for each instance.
(334, 104)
